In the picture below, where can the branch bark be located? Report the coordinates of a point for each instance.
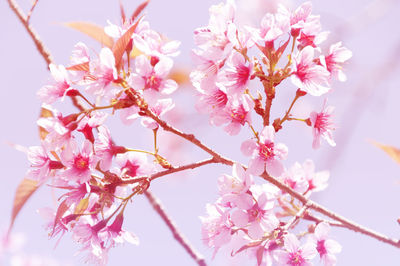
(156, 204)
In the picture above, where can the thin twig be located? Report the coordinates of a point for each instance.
(155, 203)
(169, 171)
(35, 38)
(31, 11)
(295, 218)
(309, 217)
(346, 222)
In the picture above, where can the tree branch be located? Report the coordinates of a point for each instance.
(35, 38)
(155, 203)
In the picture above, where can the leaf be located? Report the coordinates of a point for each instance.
(139, 10)
(44, 113)
(79, 67)
(24, 191)
(120, 45)
(393, 152)
(122, 10)
(92, 30)
(82, 206)
(62, 208)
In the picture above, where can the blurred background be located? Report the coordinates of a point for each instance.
(364, 185)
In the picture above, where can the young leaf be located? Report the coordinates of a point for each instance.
(82, 206)
(120, 45)
(93, 31)
(139, 10)
(393, 152)
(62, 208)
(24, 191)
(44, 113)
(79, 67)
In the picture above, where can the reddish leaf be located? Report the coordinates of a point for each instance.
(120, 45)
(79, 67)
(24, 191)
(44, 113)
(393, 152)
(122, 10)
(62, 208)
(139, 10)
(92, 30)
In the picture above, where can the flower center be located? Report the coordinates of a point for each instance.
(266, 151)
(296, 259)
(81, 163)
(321, 247)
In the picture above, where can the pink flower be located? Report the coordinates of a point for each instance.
(335, 60)
(59, 88)
(213, 102)
(256, 215)
(160, 108)
(133, 164)
(41, 164)
(237, 183)
(271, 28)
(216, 227)
(237, 113)
(237, 74)
(116, 235)
(90, 121)
(317, 181)
(294, 254)
(151, 77)
(105, 148)
(265, 154)
(103, 74)
(295, 178)
(307, 75)
(322, 126)
(326, 247)
(151, 43)
(79, 163)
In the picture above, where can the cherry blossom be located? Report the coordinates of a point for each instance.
(335, 60)
(327, 248)
(265, 154)
(294, 254)
(59, 88)
(322, 126)
(308, 76)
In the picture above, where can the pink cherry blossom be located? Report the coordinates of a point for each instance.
(79, 163)
(322, 126)
(317, 181)
(90, 121)
(160, 108)
(256, 215)
(237, 113)
(294, 254)
(105, 148)
(216, 227)
(134, 164)
(237, 183)
(59, 88)
(237, 74)
(307, 75)
(295, 178)
(265, 154)
(327, 248)
(41, 164)
(152, 43)
(151, 77)
(117, 236)
(103, 73)
(335, 60)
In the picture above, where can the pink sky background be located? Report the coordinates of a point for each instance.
(364, 184)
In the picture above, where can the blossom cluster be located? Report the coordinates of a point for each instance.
(131, 76)
(77, 153)
(233, 64)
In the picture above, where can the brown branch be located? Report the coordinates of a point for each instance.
(309, 217)
(189, 137)
(35, 38)
(155, 203)
(42, 49)
(169, 171)
(346, 222)
(31, 11)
